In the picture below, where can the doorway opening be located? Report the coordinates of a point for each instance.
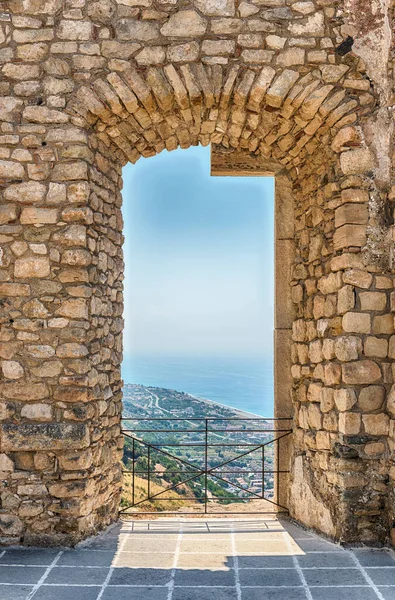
(198, 339)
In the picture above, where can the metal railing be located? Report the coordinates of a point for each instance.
(206, 462)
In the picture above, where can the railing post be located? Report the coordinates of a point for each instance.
(149, 472)
(263, 471)
(133, 475)
(205, 465)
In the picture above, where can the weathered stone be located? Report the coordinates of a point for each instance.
(344, 399)
(133, 29)
(361, 372)
(25, 193)
(371, 398)
(185, 23)
(51, 436)
(349, 423)
(71, 350)
(12, 369)
(376, 424)
(76, 309)
(359, 160)
(30, 267)
(22, 392)
(42, 114)
(354, 322)
(40, 216)
(347, 348)
(375, 347)
(37, 412)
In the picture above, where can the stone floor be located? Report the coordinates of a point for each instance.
(212, 559)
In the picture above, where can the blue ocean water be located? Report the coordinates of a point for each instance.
(239, 382)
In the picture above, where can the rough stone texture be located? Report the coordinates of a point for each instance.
(89, 86)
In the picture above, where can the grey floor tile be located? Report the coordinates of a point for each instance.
(269, 577)
(28, 556)
(333, 577)
(140, 593)
(273, 594)
(214, 593)
(77, 575)
(382, 576)
(357, 593)
(203, 577)
(265, 562)
(82, 558)
(325, 559)
(317, 545)
(21, 574)
(387, 593)
(375, 558)
(54, 592)
(145, 577)
(14, 592)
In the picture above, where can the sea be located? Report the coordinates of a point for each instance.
(245, 383)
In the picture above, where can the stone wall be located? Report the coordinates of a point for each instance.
(300, 89)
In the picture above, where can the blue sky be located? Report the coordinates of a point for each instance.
(199, 258)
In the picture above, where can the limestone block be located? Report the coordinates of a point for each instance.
(32, 267)
(351, 214)
(357, 161)
(21, 72)
(76, 257)
(310, 27)
(349, 423)
(74, 30)
(216, 8)
(185, 23)
(7, 213)
(22, 392)
(14, 289)
(291, 57)
(6, 464)
(373, 300)
(12, 170)
(41, 436)
(218, 47)
(344, 399)
(183, 52)
(371, 398)
(70, 489)
(73, 235)
(71, 350)
(332, 374)
(354, 322)
(37, 412)
(361, 372)
(34, 309)
(348, 348)
(153, 55)
(25, 193)
(383, 324)
(76, 461)
(70, 171)
(12, 369)
(278, 91)
(40, 350)
(42, 114)
(38, 216)
(10, 525)
(49, 368)
(376, 347)
(355, 195)
(349, 235)
(75, 309)
(376, 424)
(314, 416)
(358, 278)
(327, 401)
(345, 299)
(346, 137)
(10, 107)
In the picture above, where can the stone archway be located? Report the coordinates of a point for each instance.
(300, 90)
